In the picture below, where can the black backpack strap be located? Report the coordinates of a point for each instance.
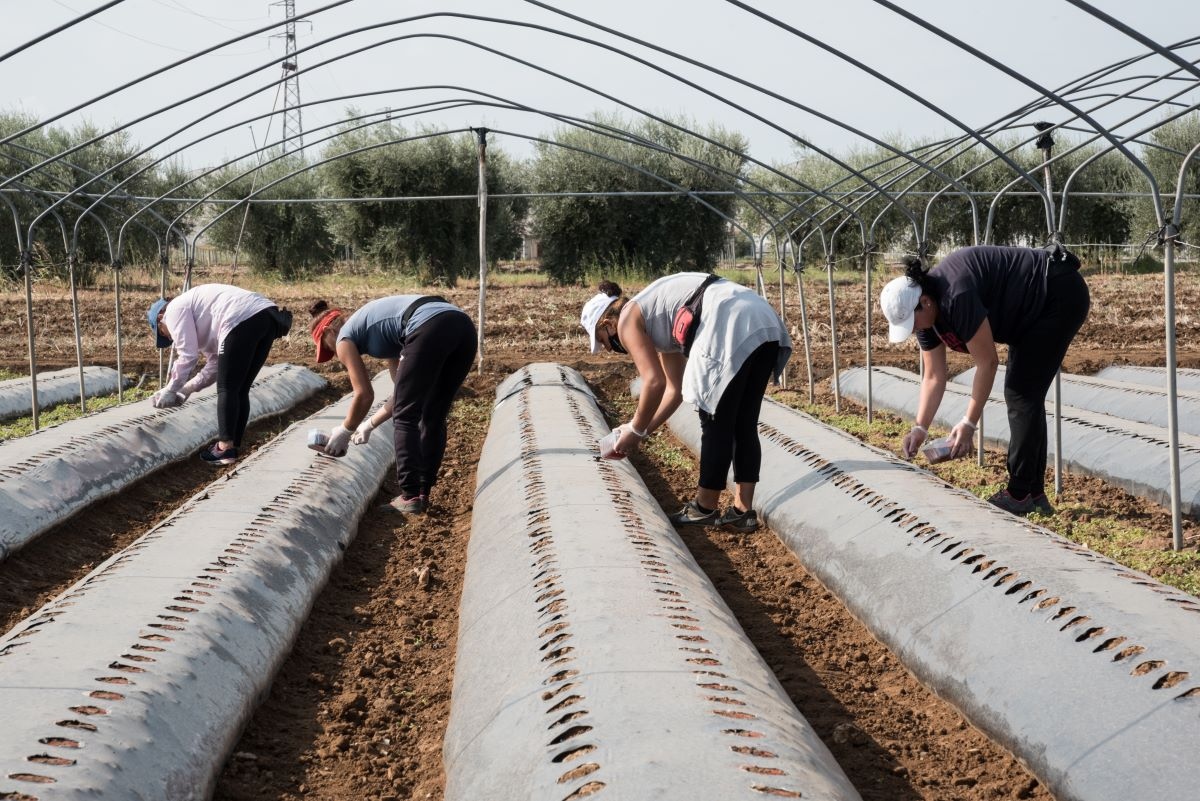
(711, 279)
(416, 304)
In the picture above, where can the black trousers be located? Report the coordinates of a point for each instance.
(730, 434)
(433, 365)
(1032, 362)
(242, 355)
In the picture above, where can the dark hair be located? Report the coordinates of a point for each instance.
(916, 272)
(317, 311)
(619, 300)
(609, 288)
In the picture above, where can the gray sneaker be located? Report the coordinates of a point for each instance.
(1017, 506)
(693, 515)
(1041, 504)
(743, 522)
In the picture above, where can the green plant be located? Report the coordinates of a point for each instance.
(23, 426)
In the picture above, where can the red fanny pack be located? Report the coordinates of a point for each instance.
(687, 318)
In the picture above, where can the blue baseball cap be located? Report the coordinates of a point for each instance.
(155, 309)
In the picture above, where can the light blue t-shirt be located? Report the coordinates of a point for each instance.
(375, 329)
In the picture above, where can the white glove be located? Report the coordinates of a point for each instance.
(912, 441)
(339, 441)
(962, 437)
(165, 398)
(362, 434)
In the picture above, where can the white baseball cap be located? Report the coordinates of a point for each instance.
(899, 300)
(593, 310)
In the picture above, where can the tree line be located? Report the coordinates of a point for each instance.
(639, 198)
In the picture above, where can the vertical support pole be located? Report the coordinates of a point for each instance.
(782, 305)
(1172, 232)
(833, 336)
(482, 133)
(75, 319)
(164, 262)
(979, 452)
(808, 360)
(868, 265)
(27, 270)
(1045, 143)
(116, 265)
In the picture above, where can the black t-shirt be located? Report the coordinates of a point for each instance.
(1005, 286)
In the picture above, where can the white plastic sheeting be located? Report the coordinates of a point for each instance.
(136, 682)
(58, 386)
(1131, 455)
(1086, 670)
(1139, 402)
(1185, 378)
(53, 473)
(594, 658)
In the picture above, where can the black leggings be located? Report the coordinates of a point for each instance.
(1032, 362)
(243, 353)
(433, 365)
(730, 434)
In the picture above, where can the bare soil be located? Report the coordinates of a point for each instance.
(360, 707)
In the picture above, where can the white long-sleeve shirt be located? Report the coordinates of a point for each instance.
(198, 321)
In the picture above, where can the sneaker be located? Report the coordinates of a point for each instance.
(407, 505)
(693, 515)
(1017, 506)
(743, 522)
(219, 458)
(1041, 504)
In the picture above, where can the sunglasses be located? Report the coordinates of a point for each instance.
(615, 343)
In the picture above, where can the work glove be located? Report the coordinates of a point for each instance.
(628, 439)
(962, 438)
(165, 398)
(913, 441)
(339, 441)
(362, 434)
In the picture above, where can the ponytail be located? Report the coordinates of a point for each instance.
(915, 271)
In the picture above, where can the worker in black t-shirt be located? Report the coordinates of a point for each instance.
(1033, 300)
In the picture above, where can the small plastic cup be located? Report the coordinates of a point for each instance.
(937, 450)
(608, 445)
(317, 439)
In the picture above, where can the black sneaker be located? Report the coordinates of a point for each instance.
(1041, 504)
(693, 515)
(1017, 506)
(219, 458)
(743, 522)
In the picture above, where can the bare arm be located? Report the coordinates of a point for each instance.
(983, 351)
(360, 382)
(661, 376)
(933, 384)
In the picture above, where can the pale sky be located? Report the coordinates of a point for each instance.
(1050, 41)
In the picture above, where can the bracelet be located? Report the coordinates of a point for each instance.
(920, 428)
(636, 433)
(966, 422)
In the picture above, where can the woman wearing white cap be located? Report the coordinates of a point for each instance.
(233, 329)
(737, 344)
(1033, 300)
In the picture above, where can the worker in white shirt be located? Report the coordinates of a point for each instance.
(233, 329)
